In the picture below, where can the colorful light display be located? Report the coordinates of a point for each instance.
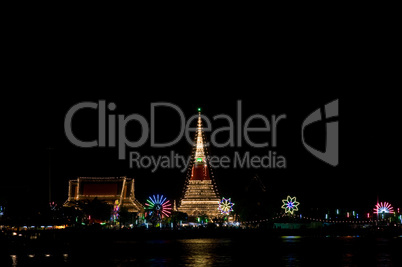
(290, 205)
(225, 206)
(383, 207)
(158, 207)
(116, 210)
(53, 206)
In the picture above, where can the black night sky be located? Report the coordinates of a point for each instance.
(295, 85)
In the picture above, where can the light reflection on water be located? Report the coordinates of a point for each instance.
(34, 259)
(206, 252)
(14, 260)
(291, 238)
(290, 255)
(384, 259)
(282, 251)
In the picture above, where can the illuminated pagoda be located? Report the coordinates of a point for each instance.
(201, 197)
(112, 190)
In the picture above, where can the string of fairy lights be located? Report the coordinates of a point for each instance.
(189, 167)
(290, 205)
(316, 220)
(206, 150)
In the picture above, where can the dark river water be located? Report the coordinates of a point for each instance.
(278, 251)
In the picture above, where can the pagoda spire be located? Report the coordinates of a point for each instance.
(200, 170)
(200, 192)
(199, 152)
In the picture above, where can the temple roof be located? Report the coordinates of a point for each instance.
(108, 189)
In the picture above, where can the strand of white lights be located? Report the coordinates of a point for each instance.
(206, 150)
(319, 220)
(265, 220)
(342, 221)
(188, 176)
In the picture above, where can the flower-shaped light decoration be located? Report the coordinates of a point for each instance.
(225, 206)
(290, 205)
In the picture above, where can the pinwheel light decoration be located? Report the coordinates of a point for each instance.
(383, 207)
(158, 207)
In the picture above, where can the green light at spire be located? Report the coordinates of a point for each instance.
(199, 109)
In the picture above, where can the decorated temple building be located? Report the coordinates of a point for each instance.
(112, 190)
(201, 197)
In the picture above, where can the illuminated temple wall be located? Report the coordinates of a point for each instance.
(107, 189)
